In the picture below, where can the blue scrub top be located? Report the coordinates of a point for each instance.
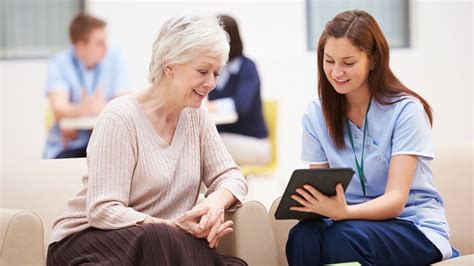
(66, 72)
(399, 128)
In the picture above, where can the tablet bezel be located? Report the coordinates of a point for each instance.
(323, 179)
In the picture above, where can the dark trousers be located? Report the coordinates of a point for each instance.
(74, 153)
(390, 242)
(148, 244)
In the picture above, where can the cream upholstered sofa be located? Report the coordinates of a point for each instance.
(34, 194)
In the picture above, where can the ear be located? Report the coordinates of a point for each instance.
(79, 45)
(168, 69)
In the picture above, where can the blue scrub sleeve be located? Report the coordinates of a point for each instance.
(312, 151)
(412, 132)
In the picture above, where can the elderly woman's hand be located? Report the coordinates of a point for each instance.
(214, 221)
(189, 222)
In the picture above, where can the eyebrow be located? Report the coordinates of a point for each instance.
(347, 57)
(204, 62)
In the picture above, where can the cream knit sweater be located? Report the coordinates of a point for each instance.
(134, 173)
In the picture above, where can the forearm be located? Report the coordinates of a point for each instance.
(224, 196)
(68, 110)
(387, 206)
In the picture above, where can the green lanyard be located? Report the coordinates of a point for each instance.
(360, 167)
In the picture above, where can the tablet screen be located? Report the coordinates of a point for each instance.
(324, 180)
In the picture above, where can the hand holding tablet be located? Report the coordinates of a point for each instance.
(324, 180)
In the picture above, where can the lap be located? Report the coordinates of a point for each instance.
(149, 244)
(386, 241)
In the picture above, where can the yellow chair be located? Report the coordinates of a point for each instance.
(270, 113)
(48, 117)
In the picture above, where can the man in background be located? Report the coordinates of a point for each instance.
(81, 80)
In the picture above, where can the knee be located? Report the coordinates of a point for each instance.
(303, 232)
(303, 237)
(344, 241)
(153, 232)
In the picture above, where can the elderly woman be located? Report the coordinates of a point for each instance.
(147, 157)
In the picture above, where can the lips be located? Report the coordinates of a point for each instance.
(200, 93)
(341, 81)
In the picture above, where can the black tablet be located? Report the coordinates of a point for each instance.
(324, 180)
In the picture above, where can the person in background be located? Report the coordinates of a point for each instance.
(149, 153)
(238, 90)
(81, 80)
(366, 119)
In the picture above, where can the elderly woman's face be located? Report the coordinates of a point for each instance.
(196, 79)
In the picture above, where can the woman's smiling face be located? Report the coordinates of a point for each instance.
(194, 80)
(345, 65)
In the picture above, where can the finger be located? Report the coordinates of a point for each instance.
(204, 220)
(195, 213)
(202, 234)
(213, 232)
(306, 195)
(300, 200)
(224, 230)
(318, 195)
(216, 216)
(300, 209)
(340, 196)
(216, 240)
(194, 229)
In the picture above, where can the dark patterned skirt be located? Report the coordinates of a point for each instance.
(148, 244)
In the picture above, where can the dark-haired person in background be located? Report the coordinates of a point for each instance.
(239, 89)
(81, 80)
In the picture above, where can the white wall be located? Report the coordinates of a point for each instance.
(438, 66)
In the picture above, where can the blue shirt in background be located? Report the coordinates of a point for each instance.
(66, 72)
(399, 128)
(242, 85)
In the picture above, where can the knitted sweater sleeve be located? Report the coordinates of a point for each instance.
(111, 159)
(218, 168)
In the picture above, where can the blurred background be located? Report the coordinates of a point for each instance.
(431, 52)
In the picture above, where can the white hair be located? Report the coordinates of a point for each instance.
(183, 38)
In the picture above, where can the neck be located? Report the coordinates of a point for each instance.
(84, 60)
(158, 103)
(358, 101)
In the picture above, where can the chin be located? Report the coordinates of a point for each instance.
(196, 105)
(342, 91)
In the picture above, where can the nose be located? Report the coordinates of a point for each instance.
(210, 82)
(337, 71)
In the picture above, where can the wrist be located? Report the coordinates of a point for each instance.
(348, 213)
(345, 214)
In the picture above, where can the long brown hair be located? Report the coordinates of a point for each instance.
(231, 27)
(361, 29)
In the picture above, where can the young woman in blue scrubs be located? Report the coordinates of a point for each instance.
(368, 120)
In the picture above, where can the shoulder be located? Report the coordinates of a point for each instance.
(313, 109)
(313, 116)
(248, 63)
(62, 58)
(406, 105)
(121, 109)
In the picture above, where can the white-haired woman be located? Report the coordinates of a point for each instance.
(147, 157)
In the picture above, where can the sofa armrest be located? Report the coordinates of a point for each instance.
(252, 239)
(281, 228)
(21, 238)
